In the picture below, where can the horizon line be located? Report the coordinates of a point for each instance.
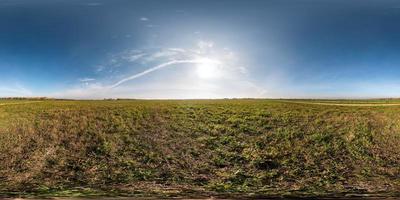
(227, 98)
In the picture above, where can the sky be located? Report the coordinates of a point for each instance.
(185, 49)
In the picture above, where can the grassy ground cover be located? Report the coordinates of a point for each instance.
(198, 147)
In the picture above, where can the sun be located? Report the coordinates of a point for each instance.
(208, 68)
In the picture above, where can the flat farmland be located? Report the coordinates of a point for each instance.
(196, 148)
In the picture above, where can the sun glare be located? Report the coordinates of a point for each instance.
(208, 68)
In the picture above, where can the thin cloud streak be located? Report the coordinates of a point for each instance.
(86, 79)
(227, 78)
(160, 66)
(15, 91)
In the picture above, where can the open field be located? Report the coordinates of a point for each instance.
(200, 148)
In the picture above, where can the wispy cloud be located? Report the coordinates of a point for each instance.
(93, 4)
(144, 19)
(87, 79)
(152, 26)
(160, 66)
(225, 76)
(135, 57)
(12, 91)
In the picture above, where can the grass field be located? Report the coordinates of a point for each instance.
(199, 147)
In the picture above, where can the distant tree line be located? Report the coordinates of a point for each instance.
(24, 98)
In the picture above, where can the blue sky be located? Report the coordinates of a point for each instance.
(200, 49)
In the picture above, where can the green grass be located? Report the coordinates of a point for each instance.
(198, 147)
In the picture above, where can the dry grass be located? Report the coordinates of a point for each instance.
(184, 147)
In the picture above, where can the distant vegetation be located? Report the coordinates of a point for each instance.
(198, 147)
(23, 98)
